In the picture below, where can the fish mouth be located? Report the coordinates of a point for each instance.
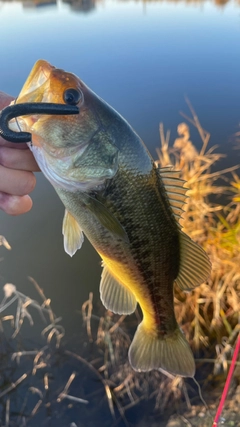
(45, 84)
(35, 89)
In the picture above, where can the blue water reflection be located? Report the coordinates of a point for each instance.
(142, 58)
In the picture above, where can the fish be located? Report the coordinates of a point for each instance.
(126, 206)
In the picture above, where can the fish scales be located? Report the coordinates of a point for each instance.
(149, 218)
(145, 215)
(127, 208)
(145, 204)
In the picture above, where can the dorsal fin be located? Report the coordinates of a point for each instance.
(173, 185)
(195, 266)
(169, 172)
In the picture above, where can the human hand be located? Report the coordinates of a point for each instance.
(17, 180)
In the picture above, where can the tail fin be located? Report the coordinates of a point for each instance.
(171, 353)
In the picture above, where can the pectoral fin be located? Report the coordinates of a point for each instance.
(105, 217)
(195, 266)
(73, 235)
(114, 296)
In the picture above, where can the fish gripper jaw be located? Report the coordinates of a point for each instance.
(29, 108)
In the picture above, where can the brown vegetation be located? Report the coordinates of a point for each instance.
(209, 316)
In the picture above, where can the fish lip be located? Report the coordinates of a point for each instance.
(37, 89)
(37, 78)
(31, 92)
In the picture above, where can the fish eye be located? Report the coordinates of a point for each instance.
(72, 96)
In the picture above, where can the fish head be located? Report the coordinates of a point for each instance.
(73, 151)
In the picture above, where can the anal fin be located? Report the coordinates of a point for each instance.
(72, 233)
(114, 295)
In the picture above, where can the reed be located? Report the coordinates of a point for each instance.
(99, 375)
(210, 314)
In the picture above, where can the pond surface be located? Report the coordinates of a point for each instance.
(142, 57)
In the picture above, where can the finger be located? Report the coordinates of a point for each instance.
(15, 205)
(19, 146)
(18, 159)
(5, 100)
(15, 182)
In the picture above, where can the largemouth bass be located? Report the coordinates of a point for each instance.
(126, 206)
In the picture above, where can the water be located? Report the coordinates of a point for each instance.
(142, 58)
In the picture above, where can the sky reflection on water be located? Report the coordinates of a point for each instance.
(142, 58)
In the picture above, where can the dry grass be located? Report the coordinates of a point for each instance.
(99, 383)
(210, 314)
